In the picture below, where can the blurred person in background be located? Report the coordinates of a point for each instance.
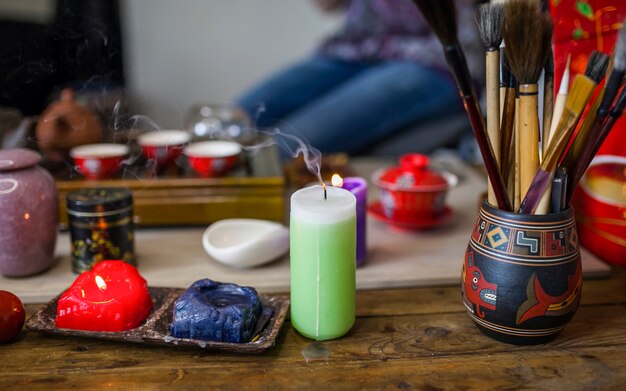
(381, 73)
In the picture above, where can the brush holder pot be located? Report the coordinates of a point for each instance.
(522, 278)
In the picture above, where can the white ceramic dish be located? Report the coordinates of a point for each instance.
(244, 243)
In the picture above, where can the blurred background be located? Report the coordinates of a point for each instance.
(165, 55)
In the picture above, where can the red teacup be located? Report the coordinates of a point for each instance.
(212, 158)
(163, 146)
(600, 206)
(98, 161)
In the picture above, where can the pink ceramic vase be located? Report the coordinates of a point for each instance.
(29, 214)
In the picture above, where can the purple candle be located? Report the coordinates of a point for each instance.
(358, 187)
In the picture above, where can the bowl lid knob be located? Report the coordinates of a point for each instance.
(413, 173)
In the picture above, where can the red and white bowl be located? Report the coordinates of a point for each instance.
(163, 146)
(600, 206)
(212, 158)
(412, 191)
(99, 161)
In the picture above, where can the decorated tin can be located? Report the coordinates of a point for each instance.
(101, 226)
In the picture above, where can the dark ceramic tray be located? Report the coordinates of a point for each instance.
(155, 330)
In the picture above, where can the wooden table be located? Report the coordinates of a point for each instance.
(408, 338)
(412, 338)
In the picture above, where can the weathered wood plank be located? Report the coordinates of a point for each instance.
(600, 368)
(406, 338)
(371, 339)
(448, 299)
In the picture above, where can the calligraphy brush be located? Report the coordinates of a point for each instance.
(582, 89)
(517, 198)
(502, 84)
(548, 89)
(580, 137)
(528, 35)
(490, 17)
(557, 194)
(548, 100)
(508, 121)
(559, 105)
(441, 16)
(600, 110)
(597, 138)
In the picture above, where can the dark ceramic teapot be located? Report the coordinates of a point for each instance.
(66, 124)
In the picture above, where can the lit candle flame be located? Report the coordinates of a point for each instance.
(336, 180)
(101, 284)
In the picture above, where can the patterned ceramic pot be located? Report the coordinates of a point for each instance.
(522, 276)
(29, 214)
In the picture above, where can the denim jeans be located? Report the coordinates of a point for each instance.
(340, 106)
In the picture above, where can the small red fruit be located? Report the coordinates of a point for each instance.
(12, 316)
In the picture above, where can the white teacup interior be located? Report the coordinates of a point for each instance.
(212, 149)
(99, 151)
(164, 138)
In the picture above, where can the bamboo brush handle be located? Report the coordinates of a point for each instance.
(493, 112)
(506, 131)
(517, 198)
(548, 108)
(567, 124)
(544, 203)
(582, 136)
(529, 135)
(560, 140)
(599, 132)
(503, 91)
(559, 106)
(582, 89)
(456, 61)
(477, 123)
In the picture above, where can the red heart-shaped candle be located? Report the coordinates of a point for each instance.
(110, 297)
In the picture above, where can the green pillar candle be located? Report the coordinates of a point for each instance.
(323, 262)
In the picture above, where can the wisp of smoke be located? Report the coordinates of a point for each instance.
(292, 146)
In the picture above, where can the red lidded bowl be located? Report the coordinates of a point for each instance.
(412, 191)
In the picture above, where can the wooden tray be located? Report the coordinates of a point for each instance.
(155, 330)
(255, 189)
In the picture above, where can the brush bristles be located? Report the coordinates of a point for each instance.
(490, 18)
(579, 94)
(619, 55)
(528, 37)
(441, 16)
(596, 67)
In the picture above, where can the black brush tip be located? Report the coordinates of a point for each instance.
(441, 16)
(490, 19)
(528, 36)
(596, 67)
